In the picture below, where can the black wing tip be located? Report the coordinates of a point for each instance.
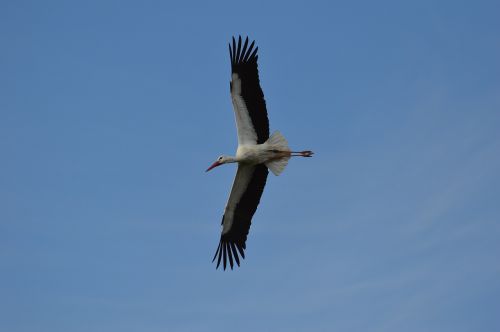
(226, 251)
(241, 55)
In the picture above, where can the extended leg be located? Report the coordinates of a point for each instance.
(305, 153)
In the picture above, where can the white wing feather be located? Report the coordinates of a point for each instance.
(244, 125)
(240, 184)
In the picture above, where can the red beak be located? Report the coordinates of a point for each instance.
(213, 166)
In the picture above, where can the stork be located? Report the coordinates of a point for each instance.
(256, 153)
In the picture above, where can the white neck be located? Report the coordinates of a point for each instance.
(230, 159)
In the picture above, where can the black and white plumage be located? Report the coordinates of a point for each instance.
(247, 95)
(256, 153)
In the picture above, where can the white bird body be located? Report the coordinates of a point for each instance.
(257, 152)
(252, 154)
(260, 153)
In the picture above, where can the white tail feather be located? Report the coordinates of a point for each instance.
(278, 165)
(278, 142)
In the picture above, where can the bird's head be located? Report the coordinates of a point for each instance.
(220, 161)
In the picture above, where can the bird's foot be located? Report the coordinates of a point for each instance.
(306, 154)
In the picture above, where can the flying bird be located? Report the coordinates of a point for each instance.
(256, 153)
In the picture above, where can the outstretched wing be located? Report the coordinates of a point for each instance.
(246, 94)
(245, 196)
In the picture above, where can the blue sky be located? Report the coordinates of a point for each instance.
(110, 111)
